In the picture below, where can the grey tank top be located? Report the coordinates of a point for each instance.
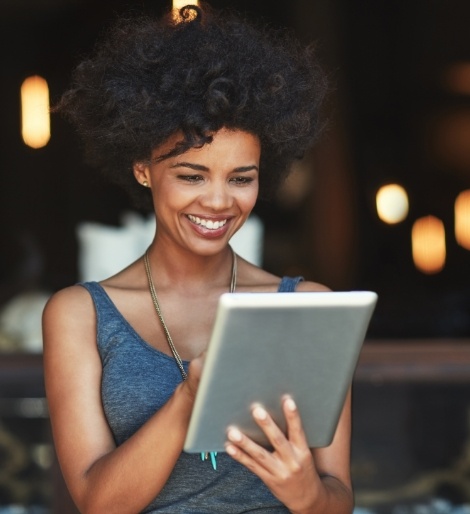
(137, 380)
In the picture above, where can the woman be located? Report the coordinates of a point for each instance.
(197, 115)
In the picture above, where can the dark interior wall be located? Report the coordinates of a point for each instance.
(386, 61)
(44, 193)
(396, 56)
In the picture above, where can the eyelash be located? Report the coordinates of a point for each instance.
(193, 179)
(242, 180)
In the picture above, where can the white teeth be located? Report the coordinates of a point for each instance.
(211, 225)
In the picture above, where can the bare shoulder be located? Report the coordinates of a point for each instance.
(68, 316)
(312, 287)
(253, 278)
(71, 303)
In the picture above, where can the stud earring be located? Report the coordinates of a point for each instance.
(145, 183)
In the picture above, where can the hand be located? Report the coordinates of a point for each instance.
(191, 384)
(289, 470)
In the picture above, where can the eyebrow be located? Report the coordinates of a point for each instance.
(200, 167)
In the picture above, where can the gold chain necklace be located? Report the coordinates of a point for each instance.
(179, 362)
(153, 294)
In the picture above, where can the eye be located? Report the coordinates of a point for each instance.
(192, 179)
(242, 180)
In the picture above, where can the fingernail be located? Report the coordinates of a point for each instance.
(234, 435)
(230, 449)
(290, 404)
(260, 413)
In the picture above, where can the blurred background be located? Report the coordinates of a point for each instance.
(398, 116)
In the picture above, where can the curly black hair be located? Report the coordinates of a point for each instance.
(150, 78)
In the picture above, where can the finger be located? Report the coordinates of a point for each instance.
(258, 460)
(194, 374)
(197, 364)
(246, 451)
(274, 434)
(244, 459)
(199, 360)
(295, 431)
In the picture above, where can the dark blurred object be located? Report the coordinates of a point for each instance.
(21, 265)
(415, 314)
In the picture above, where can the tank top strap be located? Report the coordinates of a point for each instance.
(289, 284)
(97, 293)
(108, 318)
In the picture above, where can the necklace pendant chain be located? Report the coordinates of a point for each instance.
(153, 294)
(178, 360)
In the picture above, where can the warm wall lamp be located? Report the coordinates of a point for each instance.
(428, 244)
(35, 117)
(462, 219)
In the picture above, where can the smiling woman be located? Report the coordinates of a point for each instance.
(205, 195)
(194, 115)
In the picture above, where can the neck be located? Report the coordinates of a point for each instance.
(179, 267)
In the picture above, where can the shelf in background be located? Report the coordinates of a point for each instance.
(414, 360)
(381, 360)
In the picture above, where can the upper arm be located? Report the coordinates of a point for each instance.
(306, 287)
(72, 370)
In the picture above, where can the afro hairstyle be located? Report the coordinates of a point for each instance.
(150, 78)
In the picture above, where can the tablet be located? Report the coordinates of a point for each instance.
(265, 345)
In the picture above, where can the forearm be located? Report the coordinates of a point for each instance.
(128, 478)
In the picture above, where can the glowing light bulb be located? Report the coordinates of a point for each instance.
(178, 4)
(392, 203)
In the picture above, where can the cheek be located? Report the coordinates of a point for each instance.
(170, 196)
(248, 200)
(254, 194)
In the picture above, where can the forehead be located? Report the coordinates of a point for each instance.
(226, 144)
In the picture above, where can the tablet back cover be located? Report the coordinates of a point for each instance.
(265, 345)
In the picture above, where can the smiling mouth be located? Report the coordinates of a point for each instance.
(209, 224)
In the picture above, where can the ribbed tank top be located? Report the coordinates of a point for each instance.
(137, 380)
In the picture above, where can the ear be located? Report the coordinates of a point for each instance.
(141, 173)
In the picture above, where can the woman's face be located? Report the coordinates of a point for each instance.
(203, 196)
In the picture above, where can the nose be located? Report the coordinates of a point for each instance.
(216, 196)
